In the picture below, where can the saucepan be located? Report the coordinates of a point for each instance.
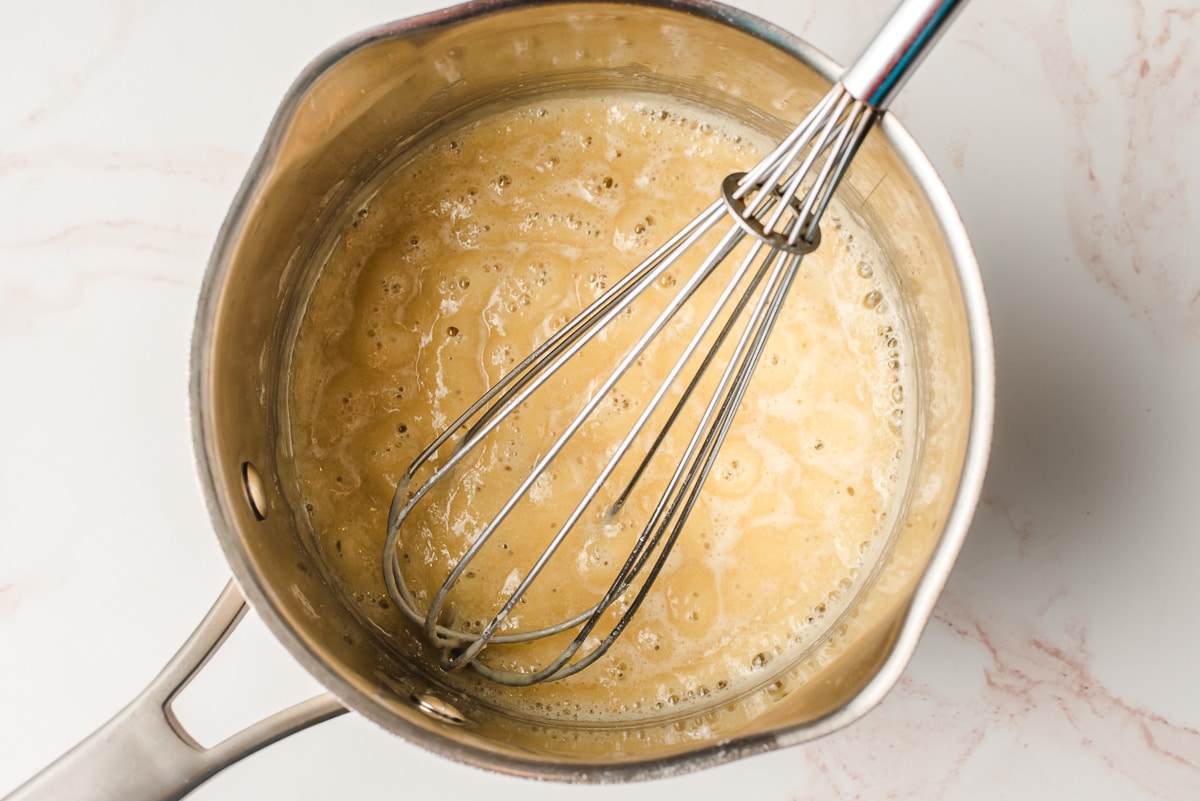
(350, 113)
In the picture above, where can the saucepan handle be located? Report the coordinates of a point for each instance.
(144, 754)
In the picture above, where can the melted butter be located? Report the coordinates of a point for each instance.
(476, 249)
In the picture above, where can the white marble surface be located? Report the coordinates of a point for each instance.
(1063, 659)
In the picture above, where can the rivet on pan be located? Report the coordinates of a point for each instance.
(256, 491)
(438, 709)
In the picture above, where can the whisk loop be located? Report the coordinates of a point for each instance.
(771, 218)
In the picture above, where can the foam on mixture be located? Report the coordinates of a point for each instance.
(471, 252)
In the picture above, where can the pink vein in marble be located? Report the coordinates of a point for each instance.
(1039, 699)
(1131, 153)
(1005, 688)
(1033, 678)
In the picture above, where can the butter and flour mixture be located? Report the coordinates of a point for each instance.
(472, 250)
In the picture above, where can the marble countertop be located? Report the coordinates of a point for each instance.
(1062, 659)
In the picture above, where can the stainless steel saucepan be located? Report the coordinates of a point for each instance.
(351, 112)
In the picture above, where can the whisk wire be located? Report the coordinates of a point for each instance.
(812, 150)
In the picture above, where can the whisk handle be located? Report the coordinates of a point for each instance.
(887, 61)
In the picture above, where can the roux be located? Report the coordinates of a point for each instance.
(472, 249)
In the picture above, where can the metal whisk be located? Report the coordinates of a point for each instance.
(771, 214)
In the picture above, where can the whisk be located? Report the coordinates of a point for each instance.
(767, 216)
